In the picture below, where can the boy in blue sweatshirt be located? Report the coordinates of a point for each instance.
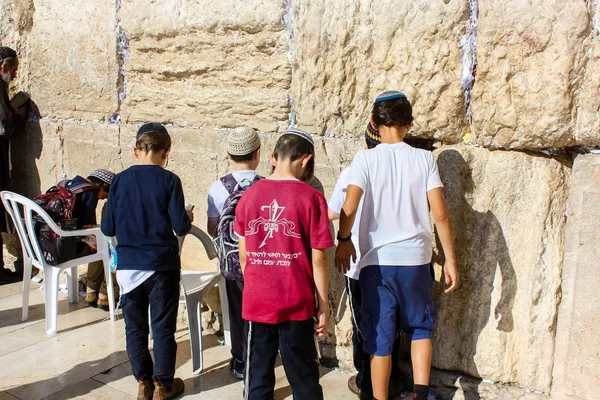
(144, 209)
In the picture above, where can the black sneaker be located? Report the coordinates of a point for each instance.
(237, 368)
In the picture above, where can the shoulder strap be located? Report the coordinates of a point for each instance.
(77, 188)
(229, 182)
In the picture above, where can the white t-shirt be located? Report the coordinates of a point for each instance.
(395, 226)
(335, 204)
(218, 194)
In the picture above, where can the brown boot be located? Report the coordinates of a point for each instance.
(102, 302)
(91, 299)
(168, 392)
(145, 389)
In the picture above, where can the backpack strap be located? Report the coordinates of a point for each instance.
(229, 182)
(78, 188)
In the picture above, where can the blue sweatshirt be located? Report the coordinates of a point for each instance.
(144, 207)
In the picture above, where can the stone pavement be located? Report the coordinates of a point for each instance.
(87, 359)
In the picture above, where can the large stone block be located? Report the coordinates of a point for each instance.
(345, 53)
(537, 62)
(508, 214)
(89, 146)
(207, 63)
(577, 363)
(69, 63)
(16, 18)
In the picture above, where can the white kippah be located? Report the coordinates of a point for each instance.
(242, 141)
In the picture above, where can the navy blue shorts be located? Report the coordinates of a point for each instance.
(395, 298)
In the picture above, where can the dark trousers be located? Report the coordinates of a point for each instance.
(362, 360)
(160, 292)
(236, 323)
(295, 341)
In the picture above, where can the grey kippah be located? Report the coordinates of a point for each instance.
(300, 133)
(242, 141)
(390, 95)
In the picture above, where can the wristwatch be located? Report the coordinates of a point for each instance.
(343, 240)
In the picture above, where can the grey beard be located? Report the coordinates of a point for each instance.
(6, 77)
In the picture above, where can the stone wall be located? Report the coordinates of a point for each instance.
(493, 83)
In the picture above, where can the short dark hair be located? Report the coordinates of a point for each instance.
(99, 182)
(244, 158)
(154, 141)
(392, 112)
(7, 54)
(293, 147)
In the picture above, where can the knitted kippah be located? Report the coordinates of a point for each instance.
(151, 127)
(300, 133)
(104, 175)
(390, 95)
(242, 141)
(372, 135)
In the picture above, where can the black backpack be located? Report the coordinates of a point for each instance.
(226, 241)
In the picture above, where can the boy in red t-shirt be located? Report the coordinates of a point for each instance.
(283, 232)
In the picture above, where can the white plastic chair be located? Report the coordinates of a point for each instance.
(195, 285)
(32, 256)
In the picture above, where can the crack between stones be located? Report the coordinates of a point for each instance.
(468, 43)
(596, 12)
(288, 22)
(122, 50)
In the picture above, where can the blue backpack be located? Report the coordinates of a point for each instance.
(226, 241)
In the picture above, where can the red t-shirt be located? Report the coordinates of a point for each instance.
(281, 221)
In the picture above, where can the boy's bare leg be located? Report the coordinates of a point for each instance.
(420, 351)
(381, 368)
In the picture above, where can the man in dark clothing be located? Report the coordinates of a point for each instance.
(12, 122)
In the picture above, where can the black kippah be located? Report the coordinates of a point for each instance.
(152, 127)
(7, 52)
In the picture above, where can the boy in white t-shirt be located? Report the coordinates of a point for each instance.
(398, 185)
(360, 384)
(243, 149)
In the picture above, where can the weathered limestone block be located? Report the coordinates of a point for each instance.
(16, 18)
(90, 146)
(69, 64)
(454, 386)
(37, 157)
(346, 53)
(508, 212)
(587, 131)
(535, 69)
(577, 362)
(207, 63)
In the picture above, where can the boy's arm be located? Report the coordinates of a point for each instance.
(443, 224)
(333, 216)
(108, 220)
(321, 278)
(211, 225)
(242, 250)
(212, 214)
(180, 219)
(345, 250)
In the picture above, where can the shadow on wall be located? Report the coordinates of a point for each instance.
(482, 254)
(25, 150)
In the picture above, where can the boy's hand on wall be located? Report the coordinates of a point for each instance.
(451, 276)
